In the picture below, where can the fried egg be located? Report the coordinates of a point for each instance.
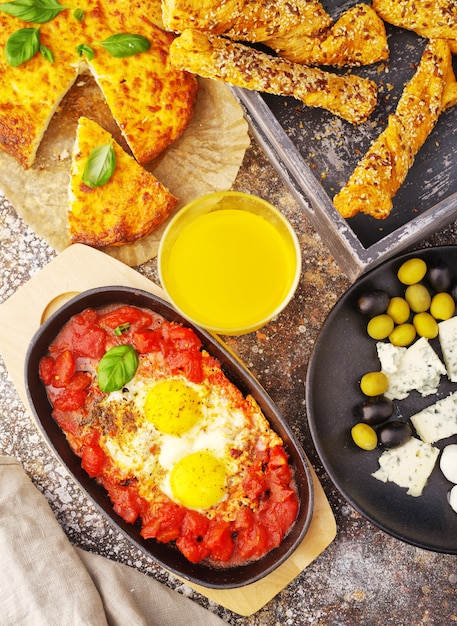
(190, 441)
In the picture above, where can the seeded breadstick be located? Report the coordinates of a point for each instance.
(357, 38)
(434, 19)
(298, 30)
(244, 20)
(351, 97)
(382, 170)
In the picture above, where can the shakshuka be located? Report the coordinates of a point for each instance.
(177, 446)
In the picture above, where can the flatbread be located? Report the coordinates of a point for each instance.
(125, 208)
(151, 101)
(205, 158)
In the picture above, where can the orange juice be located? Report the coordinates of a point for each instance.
(230, 270)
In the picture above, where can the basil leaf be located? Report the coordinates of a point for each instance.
(125, 45)
(117, 367)
(99, 166)
(22, 45)
(47, 53)
(79, 15)
(83, 48)
(38, 11)
(122, 328)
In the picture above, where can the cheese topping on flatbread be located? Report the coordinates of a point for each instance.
(151, 101)
(128, 207)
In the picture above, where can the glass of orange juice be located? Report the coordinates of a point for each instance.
(229, 262)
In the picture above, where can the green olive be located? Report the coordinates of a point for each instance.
(374, 384)
(398, 309)
(364, 436)
(412, 271)
(425, 325)
(418, 298)
(442, 306)
(380, 326)
(402, 335)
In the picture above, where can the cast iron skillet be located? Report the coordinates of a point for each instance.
(166, 554)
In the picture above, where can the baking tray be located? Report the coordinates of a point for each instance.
(315, 152)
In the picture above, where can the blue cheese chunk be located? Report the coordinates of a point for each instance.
(417, 367)
(408, 466)
(448, 340)
(438, 420)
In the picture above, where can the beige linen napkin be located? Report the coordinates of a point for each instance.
(45, 581)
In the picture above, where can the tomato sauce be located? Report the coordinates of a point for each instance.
(69, 373)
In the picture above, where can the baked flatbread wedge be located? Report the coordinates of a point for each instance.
(383, 169)
(151, 101)
(357, 38)
(351, 97)
(128, 207)
(433, 20)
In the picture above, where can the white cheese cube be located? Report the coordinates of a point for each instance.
(418, 367)
(448, 340)
(437, 421)
(409, 465)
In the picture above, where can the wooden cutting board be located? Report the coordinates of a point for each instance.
(79, 268)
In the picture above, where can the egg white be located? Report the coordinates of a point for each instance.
(150, 455)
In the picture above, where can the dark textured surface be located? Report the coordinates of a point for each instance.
(365, 577)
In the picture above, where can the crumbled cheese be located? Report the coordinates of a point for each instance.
(437, 421)
(418, 367)
(448, 341)
(409, 465)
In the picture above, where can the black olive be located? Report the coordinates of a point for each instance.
(454, 291)
(373, 302)
(439, 276)
(374, 410)
(394, 434)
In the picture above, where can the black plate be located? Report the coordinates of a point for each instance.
(342, 354)
(166, 554)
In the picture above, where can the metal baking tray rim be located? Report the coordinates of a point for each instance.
(353, 258)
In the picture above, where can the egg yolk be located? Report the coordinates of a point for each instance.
(173, 407)
(198, 480)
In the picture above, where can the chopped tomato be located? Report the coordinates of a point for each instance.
(83, 336)
(254, 484)
(92, 456)
(68, 399)
(135, 317)
(64, 368)
(46, 369)
(126, 501)
(192, 540)
(219, 540)
(163, 522)
(146, 340)
(279, 516)
(252, 536)
(79, 380)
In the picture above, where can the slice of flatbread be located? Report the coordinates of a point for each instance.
(128, 207)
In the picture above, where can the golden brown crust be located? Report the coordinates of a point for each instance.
(151, 101)
(432, 19)
(358, 37)
(244, 20)
(127, 208)
(351, 97)
(382, 170)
